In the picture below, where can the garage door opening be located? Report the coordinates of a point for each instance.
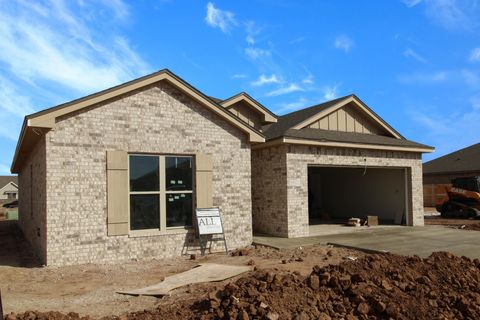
(336, 194)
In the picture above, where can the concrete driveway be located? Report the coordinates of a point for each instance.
(421, 241)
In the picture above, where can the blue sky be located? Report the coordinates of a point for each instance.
(415, 62)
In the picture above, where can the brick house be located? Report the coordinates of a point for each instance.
(117, 175)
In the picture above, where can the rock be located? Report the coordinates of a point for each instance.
(244, 315)
(11, 316)
(386, 285)
(314, 282)
(379, 306)
(363, 308)
(392, 310)
(272, 316)
(356, 278)
(193, 256)
(324, 316)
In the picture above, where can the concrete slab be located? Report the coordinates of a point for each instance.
(421, 241)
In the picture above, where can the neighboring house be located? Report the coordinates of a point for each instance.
(438, 173)
(118, 174)
(8, 188)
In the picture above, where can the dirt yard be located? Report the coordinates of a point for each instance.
(467, 224)
(90, 289)
(381, 286)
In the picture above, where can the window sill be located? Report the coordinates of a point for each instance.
(156, 232)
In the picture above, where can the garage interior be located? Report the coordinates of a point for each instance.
(336, 194)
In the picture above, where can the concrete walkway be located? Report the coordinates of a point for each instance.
(421, 241)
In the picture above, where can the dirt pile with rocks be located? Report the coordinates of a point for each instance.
(381, 286)
(374, 287)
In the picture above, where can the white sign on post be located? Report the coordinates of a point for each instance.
(209, 221)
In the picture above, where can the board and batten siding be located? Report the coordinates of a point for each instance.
(349, 120)
(246, 113)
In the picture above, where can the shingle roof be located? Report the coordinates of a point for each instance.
(283, 128)
(350, 137)
(289, 120)
(464, 160)
(4, 180)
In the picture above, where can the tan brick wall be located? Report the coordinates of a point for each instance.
(158, 119)
(297, 158)
(269, 192)
(32, 205)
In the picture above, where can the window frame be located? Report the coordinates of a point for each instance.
(162, 193)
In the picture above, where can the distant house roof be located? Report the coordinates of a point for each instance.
(4, 180)
(461, 161)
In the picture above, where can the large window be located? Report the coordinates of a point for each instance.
(161, 190)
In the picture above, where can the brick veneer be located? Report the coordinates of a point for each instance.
(158, 119)
(289, 183)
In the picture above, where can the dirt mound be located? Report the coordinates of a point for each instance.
(474, 226)
(375, 286)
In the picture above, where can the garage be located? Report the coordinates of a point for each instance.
(336, 194)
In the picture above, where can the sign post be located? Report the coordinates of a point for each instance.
(209, 222)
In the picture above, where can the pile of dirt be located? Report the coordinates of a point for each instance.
(474, 226)
(442, 286)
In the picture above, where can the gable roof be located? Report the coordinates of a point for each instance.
(4, 180)
(36, 124)
(301, 118)
(294, 125)
(268, 116)
(463, 160)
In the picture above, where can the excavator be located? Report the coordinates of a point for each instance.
(462, 199)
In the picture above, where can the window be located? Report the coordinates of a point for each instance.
(160, 191)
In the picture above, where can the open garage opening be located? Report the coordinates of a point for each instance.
(336, 194)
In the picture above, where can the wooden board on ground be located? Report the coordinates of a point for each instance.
(207, 272)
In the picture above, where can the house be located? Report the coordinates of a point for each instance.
(117, 175)
(438, 173)
(8, 188)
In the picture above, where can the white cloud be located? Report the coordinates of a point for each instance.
(449, 132)
(453, 14)
(298, 40)
(239, 76)
(63, 48)
(475, 101)
(475, 55)
(222, 19)
(285, 90)
(292, 106)
(255, 53)
(410, 53)
(252, 31)
(470, 77)
(330, 92)
(411, 3)
(344, 43)
(308, 79)
(263, 80)
(423, 78)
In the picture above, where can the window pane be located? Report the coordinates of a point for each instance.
(144, 211)
(178, 173)
(179, 209)
(144, 173)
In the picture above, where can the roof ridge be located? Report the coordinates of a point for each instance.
(318, 104)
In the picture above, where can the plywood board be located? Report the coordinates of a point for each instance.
(207, 272)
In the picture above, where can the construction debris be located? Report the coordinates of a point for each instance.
(207, 272)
